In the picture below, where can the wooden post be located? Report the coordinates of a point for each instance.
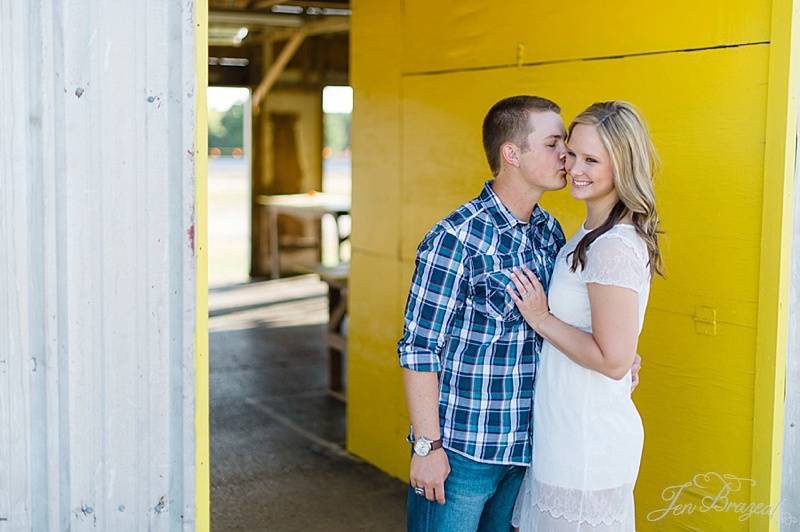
(259, 175)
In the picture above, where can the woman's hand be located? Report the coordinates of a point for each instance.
(529, 296)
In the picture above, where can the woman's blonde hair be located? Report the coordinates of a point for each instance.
(634, 159)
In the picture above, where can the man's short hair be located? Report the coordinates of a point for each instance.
(507, 121)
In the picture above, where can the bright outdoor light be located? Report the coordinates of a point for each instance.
(337, 99)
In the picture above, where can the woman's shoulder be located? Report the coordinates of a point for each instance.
(618, 257)
(623, 239)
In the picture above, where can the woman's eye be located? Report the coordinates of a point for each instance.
(571, 154)
(590, 160)
(551, 145)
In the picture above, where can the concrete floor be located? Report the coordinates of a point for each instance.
(277, 458)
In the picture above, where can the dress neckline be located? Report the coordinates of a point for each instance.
(583, 226)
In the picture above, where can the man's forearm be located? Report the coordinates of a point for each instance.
(422, 398)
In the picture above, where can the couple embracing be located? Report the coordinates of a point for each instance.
(500, 299)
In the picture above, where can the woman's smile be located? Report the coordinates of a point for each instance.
(580, 183)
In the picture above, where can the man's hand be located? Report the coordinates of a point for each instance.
(429, 472)
(637, 365)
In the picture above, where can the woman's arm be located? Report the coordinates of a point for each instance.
(610, 349)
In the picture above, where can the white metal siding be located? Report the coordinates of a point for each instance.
(790, 490)
(97, 265)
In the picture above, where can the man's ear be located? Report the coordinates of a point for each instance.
(510, 154)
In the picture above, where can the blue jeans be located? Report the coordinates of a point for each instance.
(479, 497)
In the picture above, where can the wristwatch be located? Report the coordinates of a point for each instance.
(422, 446)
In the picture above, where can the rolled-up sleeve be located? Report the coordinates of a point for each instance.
(438, 291)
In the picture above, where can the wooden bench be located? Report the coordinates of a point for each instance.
(336, 278)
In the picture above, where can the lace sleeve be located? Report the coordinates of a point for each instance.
(614, 259)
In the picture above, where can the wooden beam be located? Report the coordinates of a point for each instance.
(296, 38)
(264, 4)
(248, 18)
(277, 67)
(317, 27)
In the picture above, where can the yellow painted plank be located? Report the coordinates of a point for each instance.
(709, 192)
(696, 401)
(376, 183)
(776, 245)
(376, 37)
(377, 306)
(201, 422)
(475, 33)
(377, 419)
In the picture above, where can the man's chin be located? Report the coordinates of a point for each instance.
(558, 184)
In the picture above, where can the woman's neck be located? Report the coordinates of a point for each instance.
(597, 211)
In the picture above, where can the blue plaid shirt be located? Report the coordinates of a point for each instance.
(461, 323)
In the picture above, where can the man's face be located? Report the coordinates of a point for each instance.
(542, 162)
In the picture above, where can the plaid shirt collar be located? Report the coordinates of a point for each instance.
(504, 218)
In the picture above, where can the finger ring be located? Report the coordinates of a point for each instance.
(419, 491)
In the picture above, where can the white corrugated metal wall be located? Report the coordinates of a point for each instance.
(790, 490)
(97, 286)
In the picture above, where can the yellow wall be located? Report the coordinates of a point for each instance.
(712, 79)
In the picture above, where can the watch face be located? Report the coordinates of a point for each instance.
(422, 447)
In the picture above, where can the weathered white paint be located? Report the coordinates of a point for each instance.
(97, 265)
(790, 486)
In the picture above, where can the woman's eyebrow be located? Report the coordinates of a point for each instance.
(586, 155)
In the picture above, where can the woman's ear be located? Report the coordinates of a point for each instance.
(510, 154)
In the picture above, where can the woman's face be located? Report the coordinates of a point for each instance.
(589, 167)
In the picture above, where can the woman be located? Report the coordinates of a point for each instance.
(587, 435)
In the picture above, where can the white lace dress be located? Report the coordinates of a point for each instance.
(587, 433)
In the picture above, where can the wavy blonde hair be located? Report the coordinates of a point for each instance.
(635, 162)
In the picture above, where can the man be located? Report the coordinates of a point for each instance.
(469, 358)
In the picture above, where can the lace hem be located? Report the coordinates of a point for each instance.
(595, 508)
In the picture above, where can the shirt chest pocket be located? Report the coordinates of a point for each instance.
(491, 274)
